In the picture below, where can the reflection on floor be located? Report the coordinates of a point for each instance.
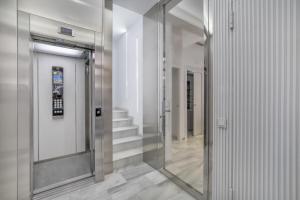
(187, 161)
(132, 183)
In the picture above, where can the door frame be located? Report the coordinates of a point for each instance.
(100, 76)
(207, 129)
(88, 116)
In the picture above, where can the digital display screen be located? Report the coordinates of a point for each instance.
(57, 77)
(57, 91)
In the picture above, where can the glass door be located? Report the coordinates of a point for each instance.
(184, 95)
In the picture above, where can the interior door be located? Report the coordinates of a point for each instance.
(175, 104)
(198, 103)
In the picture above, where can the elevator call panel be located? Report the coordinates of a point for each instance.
(57, 91)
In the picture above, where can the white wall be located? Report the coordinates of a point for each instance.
(61, 136)
(127, 71)
(256, 87)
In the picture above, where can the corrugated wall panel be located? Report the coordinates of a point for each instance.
(257, 88)
(222, 146)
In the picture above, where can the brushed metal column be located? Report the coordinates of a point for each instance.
(97, 102)
(8, 99)
(152, 56)
(103, 95)
(107, 86)
(24, 107)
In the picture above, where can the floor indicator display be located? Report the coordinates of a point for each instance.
(57, 91)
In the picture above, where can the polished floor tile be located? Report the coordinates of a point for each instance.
(187, 161)
(139, 182)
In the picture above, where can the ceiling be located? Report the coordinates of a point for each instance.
(139, 6)
(122, 19)
(193, 7)
(187, 14)
(190, 11)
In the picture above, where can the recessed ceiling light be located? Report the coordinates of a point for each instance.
(51, 49)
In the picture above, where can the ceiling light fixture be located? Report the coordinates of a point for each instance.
(51, 49)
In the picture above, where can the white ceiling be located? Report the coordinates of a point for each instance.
(122, 19)
(139, 6)
(190, 11)
(193, 7)
(187, 12)
(188, 16)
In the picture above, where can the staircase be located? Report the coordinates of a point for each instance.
(127, 144)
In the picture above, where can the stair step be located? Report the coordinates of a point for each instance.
(118, 113)
(122, 132)
(127, 143)
(126, 158)
(121, 122)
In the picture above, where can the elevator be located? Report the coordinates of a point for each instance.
(63, 144)
(64, 95)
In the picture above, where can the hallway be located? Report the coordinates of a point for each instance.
(139, 182)
(187, 161)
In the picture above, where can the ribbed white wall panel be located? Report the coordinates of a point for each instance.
(222, 141)
(257, 89)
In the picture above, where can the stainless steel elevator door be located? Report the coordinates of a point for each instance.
(61, 141)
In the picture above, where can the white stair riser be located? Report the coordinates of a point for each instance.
(128, 151)
(127, 145)
(120, 114)
(133, 160)
(124, 133)
(122, 123)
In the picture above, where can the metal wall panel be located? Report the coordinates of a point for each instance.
(297, 48)
(102, 78)
(107, 86)
(48, 28)
(97, 122)
(221, 83)
(265, 100)
(24, 107)
(8, 100)
(153, 138)
(79, 13)
(257, 88)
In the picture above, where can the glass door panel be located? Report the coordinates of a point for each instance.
(184, 84)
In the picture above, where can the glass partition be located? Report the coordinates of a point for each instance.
(184, 85)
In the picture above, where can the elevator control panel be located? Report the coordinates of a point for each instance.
(57, 91)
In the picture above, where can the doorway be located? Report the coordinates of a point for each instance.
(175, 104)
(62, 137)
(63, 118)
(190, 103)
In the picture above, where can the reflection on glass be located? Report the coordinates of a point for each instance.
(184, 142)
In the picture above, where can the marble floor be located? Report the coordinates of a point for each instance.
(139, 182)
(187, 161)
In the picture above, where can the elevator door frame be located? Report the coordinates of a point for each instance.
(25, 101)
(99, 38)
(207, 117)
